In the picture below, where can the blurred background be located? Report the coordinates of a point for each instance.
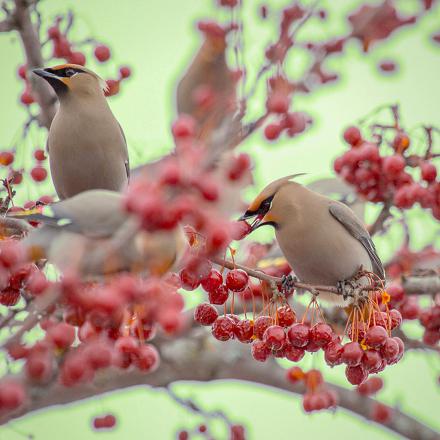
(157, 39)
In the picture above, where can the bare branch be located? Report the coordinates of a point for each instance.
(188, 359)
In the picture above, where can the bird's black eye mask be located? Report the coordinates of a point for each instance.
(64, 73)
(259, 214)
(54, 77)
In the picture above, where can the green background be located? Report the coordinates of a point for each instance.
(157, 39)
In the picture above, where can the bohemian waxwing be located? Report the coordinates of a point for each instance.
(322, 239)
(86, 144)
(91, 234)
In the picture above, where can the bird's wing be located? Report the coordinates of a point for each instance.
(354, 226)
(94, 214)
(127, 161)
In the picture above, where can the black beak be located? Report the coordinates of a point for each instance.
(246, 215)
(45, 74)
(54, 80)
(257, 221)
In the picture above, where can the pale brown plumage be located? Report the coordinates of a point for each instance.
(79, 234)
(322, 239)
(86, 144)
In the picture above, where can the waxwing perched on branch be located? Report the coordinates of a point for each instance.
(86, 144)
(322, 239)
(92, 234)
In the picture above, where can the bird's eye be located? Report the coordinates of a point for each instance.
(70, 72)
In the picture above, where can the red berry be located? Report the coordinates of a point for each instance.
(53, 32)
(205, 314)
(244, 330)
(387, 66)
(112, 87)
(259, 350)
(102, 53)
(393, 165)
(219, 296)
(396, 292)
(61, 335)
(38, 173)
(277, 103)
(212, 281)
(429, 171)
(223, 328)
(370, 386)
(390, 350)
(371, 360)
(190, 279)
(6, 158)
(77, 58)
(22, 71)
(183, 435)
(146, 358)
(274, 337)
(352, 354)
(396, 318)
(332, 353)
(12, 395)
(124, 72)
(272, 131)
(184, 127)
(355, 374)
(39, 155)
(295, 374)
(352, 135)
(261, 324)
(237, 280)
(321, 334)
(286, 316)
(410, 308)
(381, 413)
(298, 335)
(294, 354)
(39, 366)
(127, 344)
(376, 336)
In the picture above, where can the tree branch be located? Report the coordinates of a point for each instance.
(196, 357)
(44, 94)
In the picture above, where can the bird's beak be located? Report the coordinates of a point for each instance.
(45, 74)
(257, 220)
(58, 83)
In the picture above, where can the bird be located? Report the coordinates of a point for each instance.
(92, 235)
(86, 144)
(322, 239)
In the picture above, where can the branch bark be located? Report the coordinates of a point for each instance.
(44, 94)
(197, 357)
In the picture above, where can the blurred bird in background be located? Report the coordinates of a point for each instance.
(86, 145)
(92, 234)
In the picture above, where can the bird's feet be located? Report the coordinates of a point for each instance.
(288, 283)
(346, 288)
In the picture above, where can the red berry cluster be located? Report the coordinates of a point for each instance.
(185, 191)
(317, 396)
(430, 320)
(371, 348)
(112, 322)
(15, 273)
(278, 103)
(104, 422)
(381, 177)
